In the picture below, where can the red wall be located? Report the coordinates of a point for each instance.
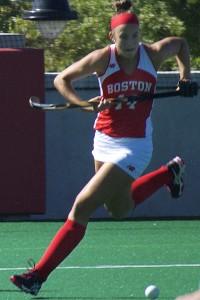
(22, 157)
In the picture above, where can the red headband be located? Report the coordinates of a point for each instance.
(123, 18)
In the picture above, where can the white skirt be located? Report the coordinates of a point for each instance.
(132, 155)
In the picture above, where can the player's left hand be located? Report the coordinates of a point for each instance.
(187, 88)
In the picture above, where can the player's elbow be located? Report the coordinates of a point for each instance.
(61, 81)
(182, 46)
(57, 81)
(183, 42)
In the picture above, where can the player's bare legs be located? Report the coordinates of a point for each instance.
(116, 207)
(109, 186)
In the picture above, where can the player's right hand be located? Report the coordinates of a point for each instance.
(100, 103)
(187, 88)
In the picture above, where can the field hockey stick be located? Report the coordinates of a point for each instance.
(36, 104)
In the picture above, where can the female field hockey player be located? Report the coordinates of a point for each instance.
(123, 134)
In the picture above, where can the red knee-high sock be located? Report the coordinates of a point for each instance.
(65, 240)
(146, 185)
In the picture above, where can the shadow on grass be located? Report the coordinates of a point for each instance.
(9, 291)
(78, 297)
(96, 298)
(89, 298)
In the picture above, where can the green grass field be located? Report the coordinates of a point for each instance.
(116, 260)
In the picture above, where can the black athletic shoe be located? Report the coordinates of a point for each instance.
(27, 282)
(177, 167)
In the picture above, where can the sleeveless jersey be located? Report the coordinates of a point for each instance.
(127, 119)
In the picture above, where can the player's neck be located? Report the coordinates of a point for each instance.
(128, 64)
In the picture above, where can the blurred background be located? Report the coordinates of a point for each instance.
(90, 30)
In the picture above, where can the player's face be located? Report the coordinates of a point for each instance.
(126, 38)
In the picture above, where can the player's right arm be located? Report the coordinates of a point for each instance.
(95, 61)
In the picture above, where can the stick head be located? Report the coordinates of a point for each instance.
(33, 99)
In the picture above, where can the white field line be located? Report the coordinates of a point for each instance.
(114, 267)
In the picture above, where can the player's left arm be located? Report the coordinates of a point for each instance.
(169, 47)
(175, 47)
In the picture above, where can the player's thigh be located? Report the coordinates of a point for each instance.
(109, 183)
(98, 165)
(119, 207)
